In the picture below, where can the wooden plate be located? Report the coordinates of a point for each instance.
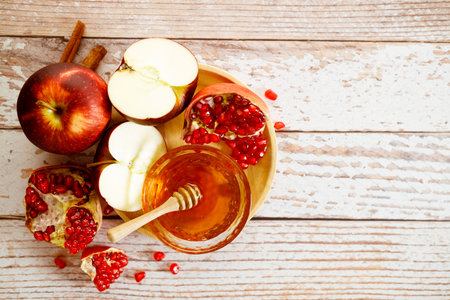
(259, 176)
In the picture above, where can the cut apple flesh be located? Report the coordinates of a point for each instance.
(135, 148)
(150, 81)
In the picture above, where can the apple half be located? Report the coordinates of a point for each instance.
(123, 156)
(155, 81)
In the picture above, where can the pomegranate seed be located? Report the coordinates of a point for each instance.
(60, 189)
(50, 229)
(174, 268)
(198, 105)
(214, 138)
(243, 165)
(158, 256)
(28, 199)
(279, 125)
(38, 235)
(33, 179)
(44, 186)
(271, 95)
(252, 161)
(68, 181)
(60, 263)
(46, 236)
(218, 99)
(41, 177)
(33, 213)
(108, 209)
(139, 276)
(207, 120)
(30, 191)
(52, 178)
(59, 179)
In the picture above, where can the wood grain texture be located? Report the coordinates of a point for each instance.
(269, 260)
(279, 20)
(321, 86)
(319, 175)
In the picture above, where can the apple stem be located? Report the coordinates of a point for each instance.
(46, 105)
(98, 163)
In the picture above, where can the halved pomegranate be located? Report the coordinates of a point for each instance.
(103, 264)
(62, 206)
(232, 113)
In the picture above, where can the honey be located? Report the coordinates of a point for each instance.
(224, 196)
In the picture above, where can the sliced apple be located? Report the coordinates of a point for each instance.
(127, 151)
(155, 81)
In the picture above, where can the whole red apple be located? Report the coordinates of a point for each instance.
(64, 108)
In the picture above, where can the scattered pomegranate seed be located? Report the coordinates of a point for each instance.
(271, 95)
(278, 125)
(158, 256)
(60, 263)
(174, 268)
(139, 276)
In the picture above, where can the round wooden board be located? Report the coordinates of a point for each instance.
(259, 176)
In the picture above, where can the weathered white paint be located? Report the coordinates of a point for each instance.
(321, 86)
(270, 259)
(321, 175)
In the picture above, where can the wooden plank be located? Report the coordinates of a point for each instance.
(293, 20)
(319, 175)
(269, 260)
(321, 86)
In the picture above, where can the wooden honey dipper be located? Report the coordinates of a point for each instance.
(185, 198)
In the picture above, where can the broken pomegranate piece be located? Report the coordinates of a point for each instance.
(103, 264)
(62, 206)
(233, 114)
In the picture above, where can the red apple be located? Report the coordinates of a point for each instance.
(64, 108)
(155, 81)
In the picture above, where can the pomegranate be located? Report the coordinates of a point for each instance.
(233, 114)
(62, 206)
(103, 264)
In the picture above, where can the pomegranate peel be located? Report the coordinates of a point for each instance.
(62, 207)
(103, 265)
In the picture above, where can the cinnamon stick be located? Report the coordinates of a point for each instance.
(94, 57)
(74, 42)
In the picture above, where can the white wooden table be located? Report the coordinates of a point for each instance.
(360, 203)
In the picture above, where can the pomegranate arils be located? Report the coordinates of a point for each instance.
(229, 117)
(60, 263)
(139, 276)
(279, 125)
(108, 209)
(174, 268)
(108, 267)
(67, 219)
(38, 235)
(271, 95)
(158, 256)
(82, 230)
